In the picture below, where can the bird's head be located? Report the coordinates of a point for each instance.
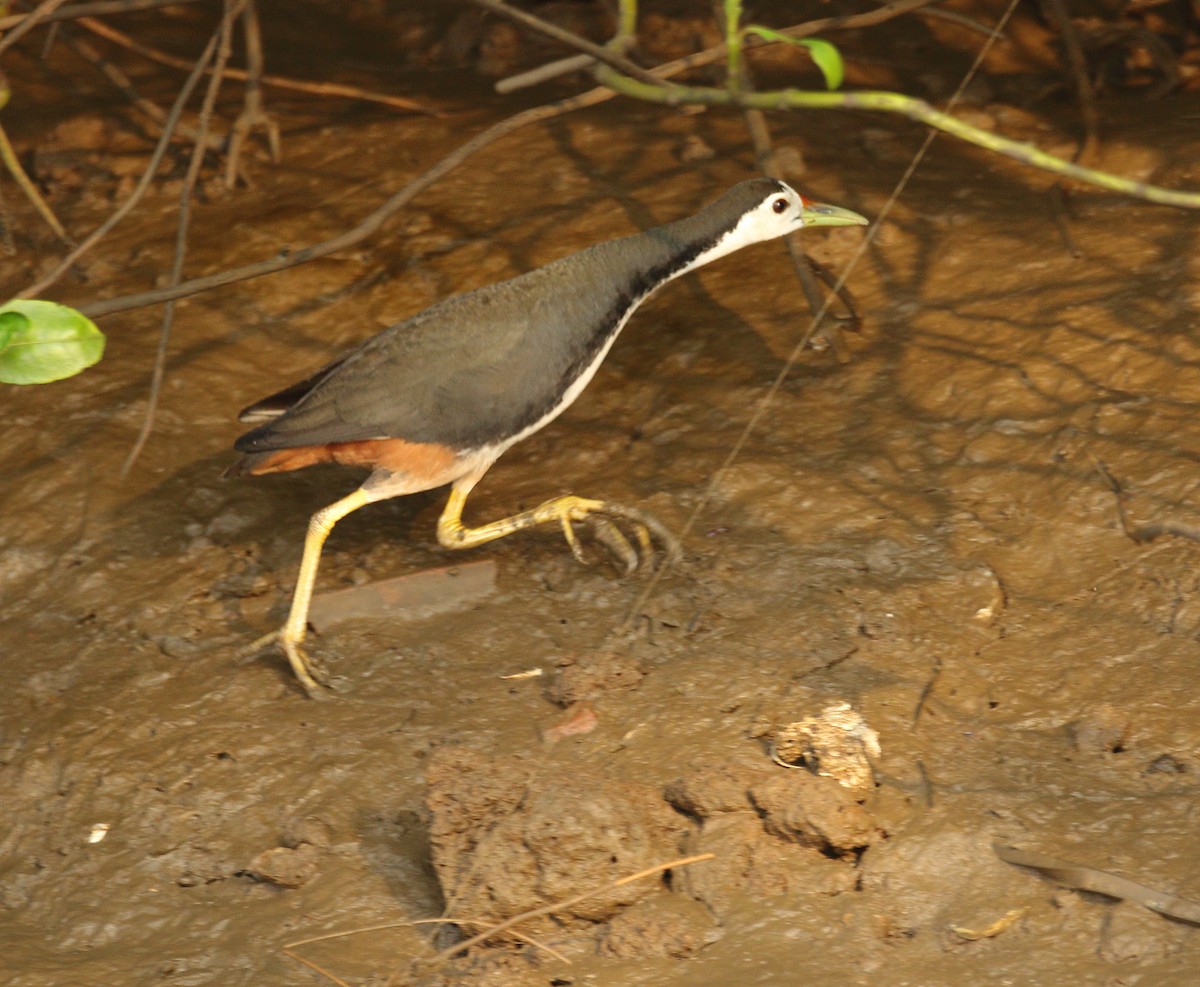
(781, 209)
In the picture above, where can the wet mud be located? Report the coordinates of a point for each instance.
(918, 529)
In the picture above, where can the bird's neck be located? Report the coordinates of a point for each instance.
(672, 250)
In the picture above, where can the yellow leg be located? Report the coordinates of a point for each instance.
(291, 636)
(563, 510)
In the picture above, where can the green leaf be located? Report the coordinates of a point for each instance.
(825, 56)
(43, 341)
(11, 322)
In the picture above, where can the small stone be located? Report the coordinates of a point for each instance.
(815, 811)
(714, 789)
(289, 867)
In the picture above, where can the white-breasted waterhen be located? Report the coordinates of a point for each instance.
(437, 398)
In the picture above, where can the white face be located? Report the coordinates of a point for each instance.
(779, 213)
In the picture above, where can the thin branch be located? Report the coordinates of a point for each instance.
(31, 20)
(143, 183)
(290, 948)
(277, 81)
(252, 114)
(558, 906)
(99, 9)
(913, 109)
(1077, 63)
(764, 153)
(961, 20)
(598, 52)
(368, 227)
(593, 97)
(155, 113)
(233, 9)
(544, 73)
(10, 160)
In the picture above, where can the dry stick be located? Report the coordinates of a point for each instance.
(289, 948)
(961, 21)
(544, 73)
(598, 52)
(760, 138)
(118, 78)
(10, 160)
(278, 81)
(233, 8)
(1084, 878)
(30, 21)
(558, 906)
(372, 223)
(366, 228)
(313, 966)
(143, 183)
(1078, 66)
(794, 357)
(6, 235)
(99, 9)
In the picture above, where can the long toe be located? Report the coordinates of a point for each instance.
(647, 527)
(309, 671)
(255, 646)
(611, 537)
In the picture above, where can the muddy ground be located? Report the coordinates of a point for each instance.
(917, 529)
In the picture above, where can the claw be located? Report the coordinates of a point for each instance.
(646, 525)
(611, 537)
(309, 671)
(603, 517)
(573, 541)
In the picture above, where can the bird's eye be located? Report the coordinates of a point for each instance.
(779, 205)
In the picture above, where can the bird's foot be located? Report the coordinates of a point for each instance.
(309, 670)
(603, 517)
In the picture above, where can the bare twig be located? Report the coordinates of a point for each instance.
(7, 243)
(233, 8)
(118, 78)
(961, 20)
(764, 153)
(368, 227)
(10, 160)
(372, 223)
(1084, 878)
(544, 73)
(290, 948)
(277, 81)
(319, 969)
(143, 183)
(559, 906)
(99, 9)
(35, 17)
(1078, 67)
(598, 52)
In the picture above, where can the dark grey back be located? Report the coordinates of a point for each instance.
(481, 367)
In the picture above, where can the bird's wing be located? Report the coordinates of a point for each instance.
(472, 368)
